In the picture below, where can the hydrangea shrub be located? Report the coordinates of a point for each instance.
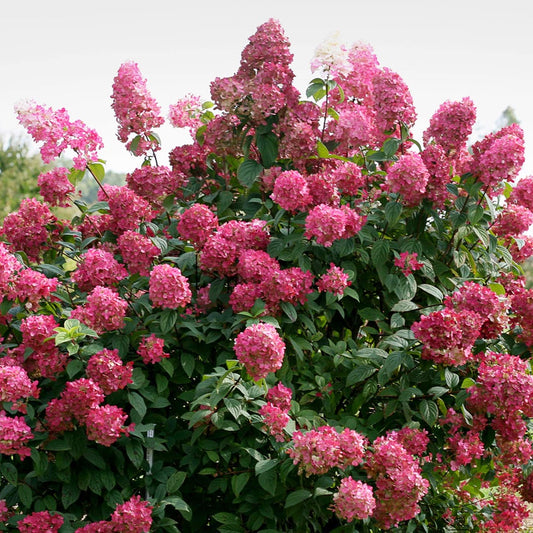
(306, 321)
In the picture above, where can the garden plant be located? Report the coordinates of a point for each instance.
(305, 320)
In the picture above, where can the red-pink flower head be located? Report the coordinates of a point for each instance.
(151, 349)
(138, 252)
(408, 177)
(275, 420)
(55, 187)
(328, 224)
(196, 224)
(335, 280)
(14, 434)
(30, 287)
(255, 266)
(186, 113)
(98, 267)
(280, 396)
(15, 385)
(451, 125)
(169, 289)
(260, 349)
(291, 191)
(154, 183)
(522, 193)
(133, 516)
(513, 220)
(349, 178)
(408, 263)
(107, 369)
(105, 424)
(135, 109)
(40, 521)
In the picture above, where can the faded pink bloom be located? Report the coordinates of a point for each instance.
(354, 500)
(186, 113)
(280, 396)
(260, 349)
(514, 219)
(275, 420)
(409, 178)
(522, 193)
(154, 183)
(10, 266)
(135, 109)
(169, 289)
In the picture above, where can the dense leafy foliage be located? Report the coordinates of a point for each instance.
(307, 322)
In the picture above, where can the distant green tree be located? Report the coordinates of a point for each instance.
(507, 118)
(18, 174)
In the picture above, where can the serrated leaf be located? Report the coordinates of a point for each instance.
(452, 379)
(268, 481)
(404, 305)
(9, 471)
(267, 144)
(429, 411)
(264, 465)
(188, 363)
(175, 481)
(359, 373)
(296, 497)
(25, 495)
(430, 289)
(137, 402)
(69, 494)
(289, 310)
(239, 482)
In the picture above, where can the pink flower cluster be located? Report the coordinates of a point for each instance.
(260, 349)
(353, 500)
(509, 515)
(104, 310)
(186, 113)
(522, 193)
(137, 252)
(40, 521)
(16, 386)
(328, 224)
(408, 263)
(57, 132)
(196, 224)
(135, 109)
(107, 370)
(448, 335)
(14, 434)
(486, 303)
(409, 178)
(55, 187)
(399, 482)
(27, 228)
(514, 219)
(318, 450)
(504, 389)
(151, 349)
(335, 280)
(29, 287)
(169, 289)
(98, 267)
(275, 411)
(132, 516)
(522, 306)
(291, 191)
(153, 183)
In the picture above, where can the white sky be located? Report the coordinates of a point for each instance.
(63, 53)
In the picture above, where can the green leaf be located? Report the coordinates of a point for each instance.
(429, 411)
(452, 379)
(137, 402)
(167, 320)
(74, 367)
(239, 482)
(69, 494)
(224, 200)
(135, 452)
(359, 373)
(393, 211)
(321, 149)
(248, 172)
(188, 362)
(97, 169)
(380, 253)
(95, 458)
(267, 144)
(268, 481)
(296, 497)
(9, 471)
(25, 495)
(175, 481)
(264, 465)
(179, 505)
(430, 289)
(289, 310)
(404, 305)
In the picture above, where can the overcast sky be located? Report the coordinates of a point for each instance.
(62, 53)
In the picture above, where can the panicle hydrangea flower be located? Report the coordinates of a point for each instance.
(135, 109)
(10, 265)
(349, 178)
(522, 306)
(104, 310)
(255, 266)
(57, 133)
(80, 396)
(14, 434)
(5, 514)
(196, 224)
(475, 297)
(291, 191)
(151, 349)
(58, 416)
(365, 66)
(98, 267)
(275, 420)
(186, 113)
(102, 526)
(260, 349)
(169, 289)
(408, 263)
(105, 424)
(466, 448)
(509, 515)
(280, 396)
(408, 177)
(127, 209)
(323, 188)
(15, 385)
(393, 102)
(137, 252)
(448, 336)
(153, 183)
(353, 500)
(335, 280)
(318, 450)
(521, 252)
(499, 156)
(244, 295)
(504, 388)
(26, 228)
(526, 488)
(439, 175)
(514, 219)
(133, 516)
(40, 521)
(399, 482)
(522, 193)
(30, 287)
(414, 440)
(451, 125)
(290, 285)
(107, 369)
(331, 57)
(514, 452)
(55, 187)
(36, 329)
(328, 224)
